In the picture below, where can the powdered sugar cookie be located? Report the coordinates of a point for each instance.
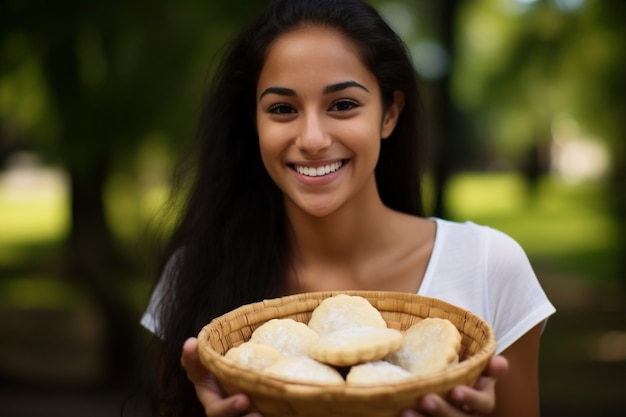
(289, 337)
(342, 312)
(254, 355)
(428, 346)
(355, 345)
(377, 372)
(304, 369)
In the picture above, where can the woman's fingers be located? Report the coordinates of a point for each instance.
(478, 401)
(497, 366)
(208, 390)
(463, 401)
(481, 398)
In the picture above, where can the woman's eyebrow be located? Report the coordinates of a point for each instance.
(281, 91)
(329, 89)
(333, 88)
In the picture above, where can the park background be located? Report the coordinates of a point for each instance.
(525, 105)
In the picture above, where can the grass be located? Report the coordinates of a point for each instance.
(565, 229)
(34, 209)
(562, 227)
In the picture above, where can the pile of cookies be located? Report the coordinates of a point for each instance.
(347, 341)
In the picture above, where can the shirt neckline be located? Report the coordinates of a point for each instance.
(434, 257)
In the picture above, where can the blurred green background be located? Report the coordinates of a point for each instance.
(525, 105)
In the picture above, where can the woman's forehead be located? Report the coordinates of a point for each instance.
(312, 55)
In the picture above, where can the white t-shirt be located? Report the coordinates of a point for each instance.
(488, 273)
(477, 268)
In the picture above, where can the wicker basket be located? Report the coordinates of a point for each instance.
(277, 397)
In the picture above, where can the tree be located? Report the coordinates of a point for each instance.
(111, 73)
(520, 67)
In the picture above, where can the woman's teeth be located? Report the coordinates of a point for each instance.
(318, 171)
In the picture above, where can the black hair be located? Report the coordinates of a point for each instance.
(232, 244)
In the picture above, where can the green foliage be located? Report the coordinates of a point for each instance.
(84, 77)
(519, 67)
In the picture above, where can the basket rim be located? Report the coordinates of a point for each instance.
(216, 362)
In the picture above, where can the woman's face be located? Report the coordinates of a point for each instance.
(320, 120)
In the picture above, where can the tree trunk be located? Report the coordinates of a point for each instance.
(446, 141)
(92, 260)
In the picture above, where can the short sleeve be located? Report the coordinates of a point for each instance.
(149, 319)
(518, 301)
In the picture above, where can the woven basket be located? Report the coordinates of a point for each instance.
(276, 397)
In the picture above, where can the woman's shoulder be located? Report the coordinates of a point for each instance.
(472, 243)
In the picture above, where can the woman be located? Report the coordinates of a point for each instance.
(308, 179)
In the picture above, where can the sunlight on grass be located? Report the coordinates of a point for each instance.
(35, 220)
(556, 220)
(477, 195)
(34, 207)
(563, 225)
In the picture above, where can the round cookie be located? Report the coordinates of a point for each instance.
(377, 372)
(342, 312)
(355, 345)
(289, 337)
(254, 355)
(428, 346)
(304, 369)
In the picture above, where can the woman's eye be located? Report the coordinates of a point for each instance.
(344, 105)
(281, 109)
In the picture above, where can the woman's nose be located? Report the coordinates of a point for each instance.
(313, 136)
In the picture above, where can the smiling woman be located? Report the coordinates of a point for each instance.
(320, 120)
(308, 179)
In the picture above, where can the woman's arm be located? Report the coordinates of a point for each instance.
(517, 392)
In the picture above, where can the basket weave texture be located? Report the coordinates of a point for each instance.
(277, 397)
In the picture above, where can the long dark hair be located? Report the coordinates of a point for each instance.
(231, 246)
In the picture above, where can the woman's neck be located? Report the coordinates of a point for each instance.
(342, 235)
(359, 246)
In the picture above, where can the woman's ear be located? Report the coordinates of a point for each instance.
(392, 114)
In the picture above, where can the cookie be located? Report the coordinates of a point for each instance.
(355, 345)
(304, 369)
(377, 372)
(343, 312)
(254, 355)
(428, 346)
(289, 337)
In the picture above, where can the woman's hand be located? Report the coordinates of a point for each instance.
(465, 401)
(208, 390)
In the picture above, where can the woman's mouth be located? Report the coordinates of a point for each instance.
(317, 171)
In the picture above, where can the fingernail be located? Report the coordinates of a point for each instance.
(458, 394)
(239, 404)
(429, 403)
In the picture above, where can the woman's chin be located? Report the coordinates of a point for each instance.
(318, 209)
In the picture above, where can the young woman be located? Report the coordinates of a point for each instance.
(308, 179)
